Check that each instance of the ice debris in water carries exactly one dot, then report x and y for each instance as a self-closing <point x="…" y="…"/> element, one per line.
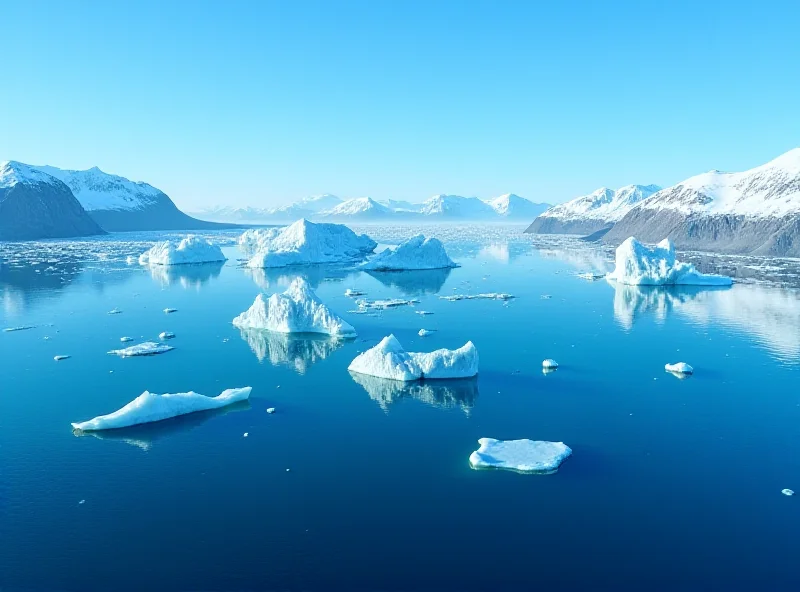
<point x="167" y="335"/>
<point x="14" y="329"/>
<point x="787" y="492"/>
<point x="126" y="339"/>
<point x="170" y="310"/>
<point x="591" y="275"/>
<point x="423" y="312"/>
<point x="417" y="252"/>
<point x="549" y="364"/>
<point x="524" y="456"/>
<point x="149" y="407"/>
<point x="384" y="304"/>
<point x="637" y="264"/>
<point x="679" y="368"/>
<point x="271" y="410"/>
<point x="59" y="358"/>
<point x="148" y="348"/>
<point x="305" y="243"/>
<point x="130" y="260"/>
<point x="353" y="293"/>
<point x="425" y="332"/>
<point x="487" y="296"/>
<point x="192" y="249"/>
<point x="388" y="359"/>
<point x="114" y="311"/>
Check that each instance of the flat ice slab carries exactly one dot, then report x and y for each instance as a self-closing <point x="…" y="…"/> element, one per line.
<point x="549" y="364"/>
<point x="486" y="296"/>
<point x="417" y="252"/>
<point x="388" y="359"/>
<point x="306" y="243"/>
<point x="679" y="368"/>
<point x="524" y="456"/>
<point x="148" y="348"/>
<point x="639" y="265"/>
<point x="15" y="329"/>
<point x="149" y="407"/>
<point x="167" y="335"/>
<point x="365" y="304"/>
<point x="425" y="332"/>
<point x="191" y="249"/>
<point x="297" y="310"/>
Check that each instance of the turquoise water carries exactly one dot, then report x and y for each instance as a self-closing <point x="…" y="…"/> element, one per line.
<point x="673" y="484"/>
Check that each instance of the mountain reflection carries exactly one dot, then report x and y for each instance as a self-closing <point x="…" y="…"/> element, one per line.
<point x="446" y="394"/>
<point x="297" y="352"/>
<point x="188" y="276"/>
<point x="413" y="283"/>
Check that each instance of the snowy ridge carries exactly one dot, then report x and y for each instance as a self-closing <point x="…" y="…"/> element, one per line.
<point x="456" y="206"/>
<point x="360" y="207"/>
<point x="511" y="205"/>
<point x="13" y="172"/>
<point x="606" y="205"/>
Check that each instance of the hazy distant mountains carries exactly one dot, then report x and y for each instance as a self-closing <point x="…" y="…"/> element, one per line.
<point x="365" y="209"/>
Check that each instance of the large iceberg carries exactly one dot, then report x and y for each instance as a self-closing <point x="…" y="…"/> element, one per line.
<point x="191" y="249"/>
<point x="149" y="407"/>
<point x="388" y="359"/>
<point x="297" y="310"/>
<point x="639" y="265"/>
<point x="255" y="239"/>
<point x="306" y="243"/>
<point x="524" y="456"/>
<point x="416" y="253"/>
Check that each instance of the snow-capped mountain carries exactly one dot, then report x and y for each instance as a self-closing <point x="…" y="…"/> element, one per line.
<point x="591" y="213"/>
<point x="512" y="206"/>
<point x="34" y="205"/>
<point x="308" y="207"/>
<point x="399" y="204"/>
<point x="456" y="207"/>
<point x="756" y="211"/>
<point x="357" y="209"/>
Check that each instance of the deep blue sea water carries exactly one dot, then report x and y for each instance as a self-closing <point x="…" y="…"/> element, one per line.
<point x="673" y="484"/>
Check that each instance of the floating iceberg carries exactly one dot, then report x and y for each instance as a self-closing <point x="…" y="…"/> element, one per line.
<point x="416" y="253"/>
<point x="549" y="364"/>
<point x="191" y="249"/>
<point x="384" y="304"/>
<point x="350" y="293"/>
<point x="306" y="243"/>
<point x="148" y="348"/>
<point x="524" y="456"/>
<point x="639" y="265"/>
<point x="59" y="358"/>
<point x="487" y="296"/>
<point x="170" y="310"/>
<point x="15" y="329"/>
<point x="256" y="239"/>
<point x="126" y="339"/>
<point x="149" y="407"/>
<point x="388" y="359"/>
<point x="425" y="332"/>
<point x="297" y="310"/>
<point x="679" y="368"/>
<point x="167" y="335"/>
<point x="788" y="492"/>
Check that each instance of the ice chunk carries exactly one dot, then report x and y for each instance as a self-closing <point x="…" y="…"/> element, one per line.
<point x="384" y="304"/>
<point x="388" y="359"/>
<point x="59" y="358"/>
<point x="353" y="293"/>
<point x="423" y="312"/>
<point x="191" y="249"/>
<point x="549" y="364"/>
<point x="591" y="275"/>
<point x="114" y="311"/>
<point x="425" y="332"/>
<point x="524" y="456"/>
<point x="167" y="335"/>
<point x="14" y="329"/>
<point x="149" y="407"/>
<point x="256" y="239"/>
<point x="416" y="253"/>
<point x="787" y="492"/>
<point x="679" y="368"/>
<point x="297" y="310"/>
<point x="126" y="339"/>
<point x="637" y="264"/>
<point x="305" y="243"/>
<point x="148" y="348"/>
<point x="271" y="410"/>
<point x="487" y="296"/>
<point x="170" y="310"/>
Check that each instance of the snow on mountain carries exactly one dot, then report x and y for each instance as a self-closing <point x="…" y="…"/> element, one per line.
<point x="512" y="206"/>
<point x="319" y="203"/>
<point x="457" y="207"/>
<point x="593" y="212"/>
<point x="13" y="172"/>
<point x="360" y="207"/>
<point x="399" y="204"/>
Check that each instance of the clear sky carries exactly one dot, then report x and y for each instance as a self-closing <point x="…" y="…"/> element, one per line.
<point x="261" y="103"/>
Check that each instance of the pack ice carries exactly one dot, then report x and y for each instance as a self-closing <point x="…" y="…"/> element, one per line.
<point x="149" y="407"/>
<point x="191" y="249"/>
<point x="307" y="243"/>
<point x="416" y="253"/>
<point x="524" y="456"/>
<point x="388" y="359"/>
<point x="148" y="348"/>
<point x="297" y="310"/>
<point x="639" y="265"/>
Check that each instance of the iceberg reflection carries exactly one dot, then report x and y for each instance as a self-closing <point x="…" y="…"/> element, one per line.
<point x="188" y="276"/>
<point x="296" y="351"/>
<point x="413" y="283"/>
<point x="446" y="394"/>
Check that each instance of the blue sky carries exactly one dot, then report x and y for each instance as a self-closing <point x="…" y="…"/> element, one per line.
<point x="261" y="103"/>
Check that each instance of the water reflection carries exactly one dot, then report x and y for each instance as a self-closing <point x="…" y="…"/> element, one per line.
<point x="770" y="314"/>
<point x="413" y="283"/>
<point x="445" y="394"/>
<point x="188" y="276"/>
<point x="144" y="436"/>
<point x="272" y="278"/>
<point x="298" y="352"/>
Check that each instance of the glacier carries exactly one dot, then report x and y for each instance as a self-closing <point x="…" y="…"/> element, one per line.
<point x="191" y="249"/>
<point x="523" y="456"/>
<point x="416" y="253"/>
<point x="150" y="407"/>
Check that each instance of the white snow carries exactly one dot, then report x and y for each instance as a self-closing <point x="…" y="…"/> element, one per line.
<point x="549" y="364"/>
<point x="192" y="249"/>
<point x="149" y="407"/>
<point x="425" y="332"/>
<point x="417" y="252"/>
<point x="13" y="172"/>
<point x="384" y="304"/>
<point x="788" y="492"/>
<point x="591" y="275"/>
<point x="167" y="335"/>
<point x="388" y="359"/>
<point x="297" y="310"/>
<point x="114" y="311"/>
<point x="126" y="339"/>
<point x="351" y="293"/>
<point x="256" y="239"/>
<point x="679" y="368"/>
<point x="59" y="358"/>
<point x="170" y="310"/>
<point x="423" y="312"/>
<point x="457" y="207"/>
<point x="603" y="204"/>
<point x="306" y="243"/>
<point x="148" y="348"/>
<point x="15" y="329"/>
<point x="524" y="456"/>
<point x="271" y="410"/>
<point x="359" y="207"/>
<point x="510" y="206"/>
<point x="637" y="264"/>
<point x="487" y="296"/>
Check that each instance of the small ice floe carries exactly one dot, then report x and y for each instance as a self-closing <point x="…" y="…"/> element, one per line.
<point x="80" y="503"/>
<point x="487" y="296"/>
<point x="384" y="304"/>
<point x="170" y="310"/>
<point x="115" y="311"/>
<point x="591" y="275"/>
<point x="549" y="364"/>
<point x="681" y="368"/>
<point x="191" y="249"/>
<point x="148" y="348"/>
<point x="297" y="310"/>
<point x="426" y="332"/>
<point x="415" y="253"/>
<point x="271" y="410"/>
<point x="523" y="456"/>
<point x="388" y="359"/>
<point x="20" y="328"/>
<point x="131" y="260"/>
<point x="167" y="335"/>
<point x="350" y="293"/>
<point x="545" y="297"/>
<point x="423" y="312"/>
<point x="787" y="492"/>
<point x="59" y="358"/>
<point x="245" y="434"/>
<point x="126" y="339"/>
<point x="150" y="407"/>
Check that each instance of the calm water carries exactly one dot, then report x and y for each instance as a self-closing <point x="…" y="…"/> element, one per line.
<point x="673" y="485"/>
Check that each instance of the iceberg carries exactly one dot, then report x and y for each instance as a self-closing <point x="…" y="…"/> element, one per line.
<point x="487" y="296"/>
<point x="523" y="456"/>
<point x="365" y="304"/>
<point x="638" y="265"/>
<point x="191" y="249"/>
<point x="388" y="359"/>
<point x="306" y="243"/>
<point x="788" y="492"/>
<point x="297" y="310"/>
<point x="425" y="332"/>
<point x="148" y="348"/>
<point x="256" y="239"/>
<point x="549" y="364"/>
<point x="59" y="358"/>
<point x="417" y="252"/>
<point x="126" y="339"/>
<point x="351" y="293"/>
<point x="149" y="407"/>
<point x="679" y="368"/>
<point x="167" y="335"/>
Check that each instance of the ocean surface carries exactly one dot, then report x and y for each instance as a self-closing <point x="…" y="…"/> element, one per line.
<point x="363" y="484"/>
